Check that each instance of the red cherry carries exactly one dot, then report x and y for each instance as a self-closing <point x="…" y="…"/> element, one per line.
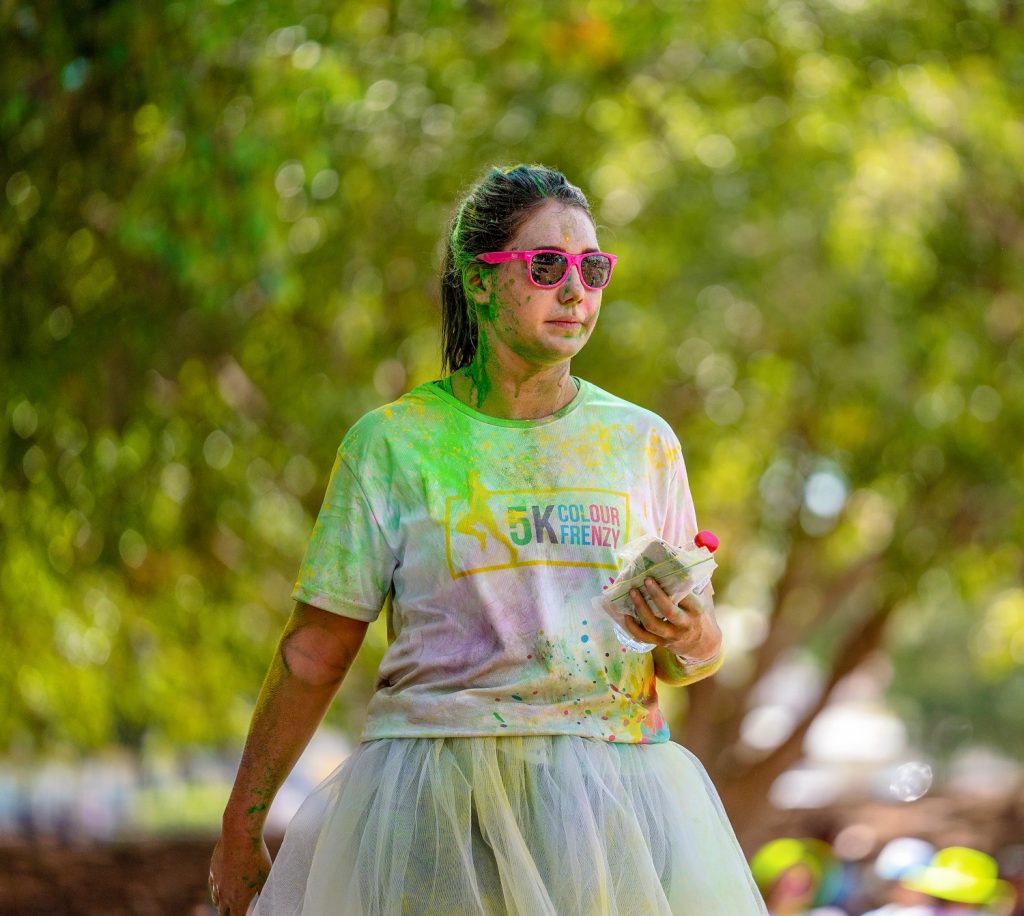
<point x="707" y="539"/>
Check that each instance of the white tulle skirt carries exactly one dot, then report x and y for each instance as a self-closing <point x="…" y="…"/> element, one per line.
<point x="534" y="826"/>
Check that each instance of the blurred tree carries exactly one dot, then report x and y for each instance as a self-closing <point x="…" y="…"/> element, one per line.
<point x="218" y="241"/>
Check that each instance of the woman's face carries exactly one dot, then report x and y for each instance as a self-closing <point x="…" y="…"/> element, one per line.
<point x="541" y="326"/>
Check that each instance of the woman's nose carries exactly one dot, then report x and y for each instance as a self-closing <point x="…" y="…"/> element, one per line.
<point x="572" y="288"/>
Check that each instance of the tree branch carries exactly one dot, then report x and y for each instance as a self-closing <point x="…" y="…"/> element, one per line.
<point x="746" y="791"/>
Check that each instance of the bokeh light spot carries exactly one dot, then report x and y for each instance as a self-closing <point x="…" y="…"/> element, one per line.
<point x="911" y="781"/>
<point x="218" y="449"/>
<point x="132" y="547"/>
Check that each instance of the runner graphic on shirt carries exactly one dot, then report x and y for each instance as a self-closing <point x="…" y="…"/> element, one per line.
<point x="479" y="520"/>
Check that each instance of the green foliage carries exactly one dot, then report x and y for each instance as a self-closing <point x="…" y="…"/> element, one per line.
<point x="218" y="247"/>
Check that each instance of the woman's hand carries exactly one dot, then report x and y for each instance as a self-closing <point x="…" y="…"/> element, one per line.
<point x="688" y="629"/>
<point x="238" y="871"/>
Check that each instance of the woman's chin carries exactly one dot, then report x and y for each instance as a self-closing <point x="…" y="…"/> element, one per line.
<point x="566" y="338"/>
<point x="551" y="347"/>
<point x="561" y="350"/>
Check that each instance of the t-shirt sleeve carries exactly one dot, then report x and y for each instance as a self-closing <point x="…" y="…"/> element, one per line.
<point x="348" y="565"/>
<point x="680" y="520"/>
<point x="680" y="524"/>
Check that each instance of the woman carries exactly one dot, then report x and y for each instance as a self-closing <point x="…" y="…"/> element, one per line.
<point x="514" y="758"/>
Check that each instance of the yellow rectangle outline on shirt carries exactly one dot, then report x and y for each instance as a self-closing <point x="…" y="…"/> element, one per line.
<point x="542" y="490"/>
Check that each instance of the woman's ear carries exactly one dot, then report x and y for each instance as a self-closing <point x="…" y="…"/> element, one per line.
<point x="478" y="281"/>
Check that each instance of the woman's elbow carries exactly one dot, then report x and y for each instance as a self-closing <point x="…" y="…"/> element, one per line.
<point x="320" y="655"/>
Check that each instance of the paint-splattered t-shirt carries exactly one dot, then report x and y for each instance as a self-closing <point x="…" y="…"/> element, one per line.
<point x="493" y="536"/>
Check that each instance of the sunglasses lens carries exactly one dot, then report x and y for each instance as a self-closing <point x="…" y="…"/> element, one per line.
<point x="547" y="268"/>
<point x="596" y="270"/>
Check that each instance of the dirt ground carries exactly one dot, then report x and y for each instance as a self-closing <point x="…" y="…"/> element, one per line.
<point x="139" y="878"/>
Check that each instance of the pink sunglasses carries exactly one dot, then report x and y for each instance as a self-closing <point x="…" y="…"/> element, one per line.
<point x="549" y="267"/>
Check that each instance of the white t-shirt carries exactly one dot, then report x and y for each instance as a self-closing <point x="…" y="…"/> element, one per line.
<point x="494" y="536"/>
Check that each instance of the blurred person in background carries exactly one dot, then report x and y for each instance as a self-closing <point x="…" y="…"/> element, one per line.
<point x="514" y="758"/>
<point x="800" y="876"/>
<point x="955" y="881"/>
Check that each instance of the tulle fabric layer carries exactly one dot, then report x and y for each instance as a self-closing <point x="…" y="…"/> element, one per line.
<point x="533" y="826"/>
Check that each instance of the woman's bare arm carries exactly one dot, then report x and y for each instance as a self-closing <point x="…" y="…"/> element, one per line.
<point x="673" y="670"/>
<point x="314" y="655"/>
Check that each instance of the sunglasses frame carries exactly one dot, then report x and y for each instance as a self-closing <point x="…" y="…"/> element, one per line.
<point x="572" y="260"/>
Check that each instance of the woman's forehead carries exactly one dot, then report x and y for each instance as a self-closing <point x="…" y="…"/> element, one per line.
<point x="557" y="224"/>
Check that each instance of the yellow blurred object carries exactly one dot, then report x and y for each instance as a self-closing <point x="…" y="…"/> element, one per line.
<point x="958" y="874"/>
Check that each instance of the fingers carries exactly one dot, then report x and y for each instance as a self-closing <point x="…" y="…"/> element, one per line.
<point x="662" y="627"/>
<point x="639" y="633"/>
<point x="226" y="908"/>
<point x="222" y="906"/>
<point x="697" y="603"/>
<point x="679" y="628"/>
<point x="666" y="608"/>
<point x="660" y="618"/>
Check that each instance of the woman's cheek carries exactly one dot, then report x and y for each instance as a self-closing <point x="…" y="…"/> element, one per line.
<point x="510" y="317"/>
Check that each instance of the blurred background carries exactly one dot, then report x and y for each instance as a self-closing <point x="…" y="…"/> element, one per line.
<point x="220" y="228"/>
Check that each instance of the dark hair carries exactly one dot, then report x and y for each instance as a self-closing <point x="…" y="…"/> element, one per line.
<point x="487" y="219"/>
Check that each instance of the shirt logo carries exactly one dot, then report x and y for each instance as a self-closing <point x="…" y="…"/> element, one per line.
<point x="488" y="530"/>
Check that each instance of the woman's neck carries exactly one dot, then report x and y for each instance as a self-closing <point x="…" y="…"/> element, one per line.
<point x="514" y="393"/>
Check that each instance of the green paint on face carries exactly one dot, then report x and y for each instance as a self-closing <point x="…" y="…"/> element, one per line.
<point x="477" y="371"/>
<point x="486" y="311"/>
